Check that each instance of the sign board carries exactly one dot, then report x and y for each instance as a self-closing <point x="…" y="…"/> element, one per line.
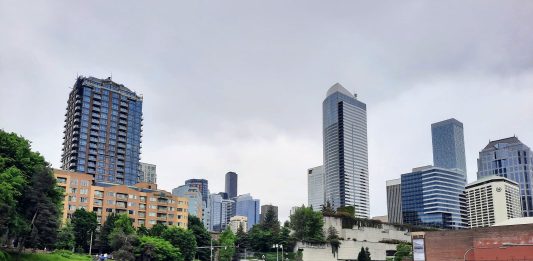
<point x="418" y="250"/>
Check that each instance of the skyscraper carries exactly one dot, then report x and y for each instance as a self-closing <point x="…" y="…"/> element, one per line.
<point x="231" y="184"/>
<point x="220" y="212"/>
<point x="434" y="197"/>
<point x="248" y="207"/>
<point x="202" y="185"/>
<point x="491" y="200"/>
<point x="315" y="187"/>
<point x="147" y="173"/>
<point x="345" y="151"/>
<point x="394" y="201"/>
<point x="103" y="131"/>
<point x="512" y="159"/>
<point x="196" y="205"/>
<point x="448" y="145"/>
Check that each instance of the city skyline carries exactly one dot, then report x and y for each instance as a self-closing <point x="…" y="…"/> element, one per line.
<point x="200" y="82"/>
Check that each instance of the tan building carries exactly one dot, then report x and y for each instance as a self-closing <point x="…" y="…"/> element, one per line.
<point x="491" y="200"/>
<point x="236" y="222"/>
<point x="143" y="202"/>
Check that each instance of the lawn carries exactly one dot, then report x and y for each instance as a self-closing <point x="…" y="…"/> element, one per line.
<point x="55" y="256"/>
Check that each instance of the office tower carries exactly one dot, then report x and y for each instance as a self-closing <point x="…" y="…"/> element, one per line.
<point x="434" y="197"/>
<point x="248" y="207"/>
<point x="220" y="212"/>
<point x="315" y="187"/>
<point x="147" y="173"/>
<point x="491" y="200"/>
<point x="224" y="195"/>
<point x="394" y="201"/>
<point x="196" y="204"/>
<point x="231" y="184"/>
<point x="448" y="145"/>
<point x="103" y="131"/>
<point x="202" y="186"/>
<point x="345" y="151"/>
<point x="510" y="158"/>
<point x="236" y="222"/>
<point x="265" y="209"/>
<point x="143" y="203"/>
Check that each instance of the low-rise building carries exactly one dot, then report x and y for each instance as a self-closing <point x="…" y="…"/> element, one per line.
<point x="236" y="222"/>
<point x="143" y="202"/>
<point x="381" y="240"/>
<point x="491" y="200"/>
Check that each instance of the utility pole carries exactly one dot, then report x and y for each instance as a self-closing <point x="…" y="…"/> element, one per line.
<point x="91" y="244"/>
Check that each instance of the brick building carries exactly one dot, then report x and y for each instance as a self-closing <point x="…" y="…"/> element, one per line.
<point x="143" y="202"/>
<point x="513" y="242"/>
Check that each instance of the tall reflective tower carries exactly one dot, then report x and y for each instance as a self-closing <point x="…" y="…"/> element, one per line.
<point x="345" y="150"/>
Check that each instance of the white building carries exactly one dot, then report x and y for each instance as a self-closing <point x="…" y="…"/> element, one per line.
<point x="315" y="187"/>
<point x="491" y="200"/>
<point x="380" y="240"/>
<point x="236" y="222"/>
<point x="147" y="173"/>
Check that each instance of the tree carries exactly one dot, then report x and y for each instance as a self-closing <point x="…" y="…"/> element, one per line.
<point x="84" y="224"/>
<point x="285" y="237"/>
<point x="123" y="245"/>
<point x="368" y="254"/>
<point x="182" y="239"/>
<point x="307" y="225"/>
<point x="65" y="237"/>
<point x="241" y="239"/>
<point x="143" y="231"/>
<point x="105" y="231"/>
<point x="227" y="239"/>
<point x="333" y="239"/>
<point x="403" y="250"/>
<point x="260" y="239"/>
<point x="362" y="256"/>
<point x="157" y="230"/>
<point x="271" y="222"/>
<point x="327" y="209"/>
<point x="123" y="223"/>
<point x="30" y="204"/>
<point x="203" y="238"/>
<point x="346" y="211"/>
<point x="157" y="249"/>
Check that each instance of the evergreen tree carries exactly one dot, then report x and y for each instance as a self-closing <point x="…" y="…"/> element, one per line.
<point x="105" y="231"/>
<point x="84" y="225"/>
<point x="362" y="256"/>
<point x="307" y="225"/>
<point x="203" y="238"/>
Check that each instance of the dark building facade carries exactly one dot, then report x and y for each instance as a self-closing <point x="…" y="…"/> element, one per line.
<point x="231" y="184"/>
<point x="448" y="145"/>
<point x="103" y="128"/>
<point x="202" y="186"/>
<point x="265" y="209"/>
<point x="394" y="201"/>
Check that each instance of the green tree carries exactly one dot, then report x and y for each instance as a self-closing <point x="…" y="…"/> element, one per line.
<point x="327" y="210"/>
<point x="333" y="239"/>
<point x="143" y="231"/>
<point x="182" y="239"/>
<point x="271" y="221"/>
<point x="123" y="223"/>
<point x="157" y="249"/>
<point x="403" y="250"/>
<point x="65" y="237"/>
<point x="30" y="208"/>
<point x="203" y="238"/>
<point x="157" y="230"/>
<point x="105" y="231"/>
<point x="241" y="239"/>
<point x="368" y="254"/>
<point x="362" y="256"/>
<point x="227" y="239"/>
<point x="307" y="225"/>
<point x="260" y="239"/>
<point x="285" y="237"/>
<point x="123" y="245"/>
<point x="84" y="224"/>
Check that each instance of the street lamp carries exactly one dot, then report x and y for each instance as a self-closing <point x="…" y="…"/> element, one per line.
<point x="278" y="246"/>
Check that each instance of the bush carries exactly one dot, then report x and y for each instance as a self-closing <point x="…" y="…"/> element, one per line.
<point x="157" y="249"/>
<point x="4" y="256"/>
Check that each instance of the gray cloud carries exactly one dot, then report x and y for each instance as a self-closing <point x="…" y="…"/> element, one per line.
<point x="239" y="85"/>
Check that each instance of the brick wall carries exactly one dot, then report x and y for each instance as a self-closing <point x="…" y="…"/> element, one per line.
<point x="487" y="244"/>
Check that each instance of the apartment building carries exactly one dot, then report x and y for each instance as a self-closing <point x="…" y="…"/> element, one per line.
<point x="143" y="202"/>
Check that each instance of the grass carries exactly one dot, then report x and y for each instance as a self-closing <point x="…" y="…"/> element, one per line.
<point x="54" y="256"/>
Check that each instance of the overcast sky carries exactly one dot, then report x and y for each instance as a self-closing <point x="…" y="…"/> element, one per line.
<point x="238" y="85"/>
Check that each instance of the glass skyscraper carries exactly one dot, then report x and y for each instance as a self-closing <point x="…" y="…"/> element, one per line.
<point x="448" y="145"/>
<point x="202" y="185"/>
<point x="510" y="158"/>
<point x="231" y="184"/>
<point x="248" y="207"/>
<point x="434" y="197"/>
<point x="103" y="131"/>
<point x="345" y="151"/>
